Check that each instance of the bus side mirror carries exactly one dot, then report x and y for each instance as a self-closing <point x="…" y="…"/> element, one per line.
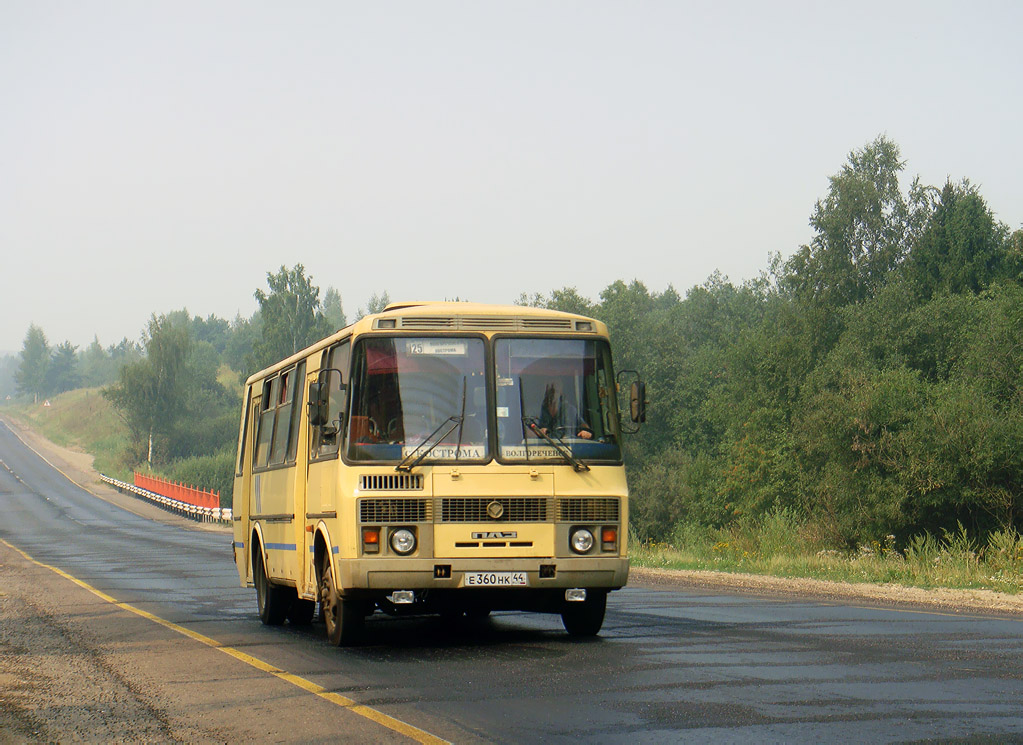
<point x="637" y="399"/>
<point x="637" y="402"/>
<point x="319" y="398"/>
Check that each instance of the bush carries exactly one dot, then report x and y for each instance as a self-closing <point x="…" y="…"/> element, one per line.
<point x="210" y="472"/>
<point x="670" y="488"/>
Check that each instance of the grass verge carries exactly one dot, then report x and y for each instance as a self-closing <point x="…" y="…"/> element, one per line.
<point x="80" y="420"/>
<point x="780" y="545"/>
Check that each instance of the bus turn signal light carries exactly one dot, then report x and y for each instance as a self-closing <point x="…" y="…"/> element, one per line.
<point x="371" y="540"/>
<point x="609" y="539"/>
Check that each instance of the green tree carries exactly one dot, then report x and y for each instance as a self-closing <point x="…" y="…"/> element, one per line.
<point x="245" y="333"/>
<point x="567" y="299"/>
<point x="209" y="418"/>
<point x="333" y="309"/>
<point x="35" y="359"/>
<point x="94" y="363"/>
<point x="62" y="371"/>
<point x="962" y="248"/>
<point x="376" y="304"/>
<point x="150" y="393"/>
<point x="8" y="368"/>
<point x="863" y="229"/>
<point x="291" y="313"/>
<point x="216" y="331"/>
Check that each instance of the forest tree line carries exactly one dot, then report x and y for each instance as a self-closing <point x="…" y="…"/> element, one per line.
<point x="869" y="384"/>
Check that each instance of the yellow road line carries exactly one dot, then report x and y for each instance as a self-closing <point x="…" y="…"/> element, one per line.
<point x="380" y="718"/>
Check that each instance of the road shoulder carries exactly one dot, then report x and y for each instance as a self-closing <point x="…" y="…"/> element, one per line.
<point x="933" y="599"/>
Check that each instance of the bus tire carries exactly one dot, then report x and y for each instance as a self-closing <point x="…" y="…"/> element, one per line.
<point x="343" y="618"/>
<point x="585" y="618"/>
<point x="272" y="601"/>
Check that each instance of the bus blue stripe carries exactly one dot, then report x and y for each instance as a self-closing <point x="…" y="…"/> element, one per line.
<point x="280" y="546"/>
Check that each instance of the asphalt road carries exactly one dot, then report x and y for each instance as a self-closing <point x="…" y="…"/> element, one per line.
<point x="672" y="664"/>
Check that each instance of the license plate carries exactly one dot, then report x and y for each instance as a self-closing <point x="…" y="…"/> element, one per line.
<point x="495" y="579"/>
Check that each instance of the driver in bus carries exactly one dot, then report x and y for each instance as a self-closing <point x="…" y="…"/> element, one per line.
<point x="556" y="414"/>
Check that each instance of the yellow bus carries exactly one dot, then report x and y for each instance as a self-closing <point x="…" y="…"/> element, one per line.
<point x="448" y="458"/>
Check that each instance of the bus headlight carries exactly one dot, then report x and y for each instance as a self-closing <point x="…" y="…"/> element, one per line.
<point x="581" y="541"/>
<point x="403" y="541"/>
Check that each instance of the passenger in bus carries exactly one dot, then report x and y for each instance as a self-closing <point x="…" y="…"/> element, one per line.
<point x="557" y="416"/>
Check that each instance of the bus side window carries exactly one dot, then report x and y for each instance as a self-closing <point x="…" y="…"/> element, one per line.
<point x="295" y="423"/>
<point x="326" y="439"/>
<point x="264" y="435"/>
<point x="243" y="432"/>
<point x="285" y="399"/>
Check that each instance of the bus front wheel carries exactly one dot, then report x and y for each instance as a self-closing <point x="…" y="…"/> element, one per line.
<point x="271" y="600"/>
<point x="585" y="618"/>
<point x="343" y="618"/>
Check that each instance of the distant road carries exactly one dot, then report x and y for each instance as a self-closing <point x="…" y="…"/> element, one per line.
<point x="671" y="664"/>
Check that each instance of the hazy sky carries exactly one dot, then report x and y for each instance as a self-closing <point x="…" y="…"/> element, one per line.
<point x="160" y="155"/>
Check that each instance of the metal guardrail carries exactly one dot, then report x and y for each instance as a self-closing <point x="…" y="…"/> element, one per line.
<point x="194" y="512"/>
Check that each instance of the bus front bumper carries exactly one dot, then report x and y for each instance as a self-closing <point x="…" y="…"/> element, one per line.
<point x="386" y="573"/>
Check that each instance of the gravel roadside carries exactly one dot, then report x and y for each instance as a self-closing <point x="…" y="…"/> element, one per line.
<point x="936" y="599"/>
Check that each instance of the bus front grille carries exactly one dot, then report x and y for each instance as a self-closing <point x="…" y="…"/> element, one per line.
<point x="395" y="511"/>
<point x="513" y="509"/>
<point x="391" y="482"/>
<point x="588" y="510"/>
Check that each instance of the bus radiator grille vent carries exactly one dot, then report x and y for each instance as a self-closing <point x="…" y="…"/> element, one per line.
<point x="395" y="511"/>
<point x="477" y="323"/>
<point x="391" y="482"/>
<point x="474" y="509"/>
<point x="589" y="510"/>
<point x="494" y="322"/>
<point x="548" y="324"/>
<point x="428" y="322"/>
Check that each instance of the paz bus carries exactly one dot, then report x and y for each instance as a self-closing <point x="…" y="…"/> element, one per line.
<point x="448" y="458"/>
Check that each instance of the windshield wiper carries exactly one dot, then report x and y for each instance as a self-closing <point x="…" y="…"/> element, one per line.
<point x="455" y="421"/>
<point x="461" y="422"/>
<point x="558" y="444"/>
<point x="525" y="420"/>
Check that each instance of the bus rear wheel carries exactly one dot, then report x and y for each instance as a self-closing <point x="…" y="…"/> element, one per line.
<point x="343" y="618"/>
<point x="272" y="601"/>
<point x="585" y="618"/>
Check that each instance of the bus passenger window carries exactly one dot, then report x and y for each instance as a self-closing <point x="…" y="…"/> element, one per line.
<point x="285" y="395"/>
<point x="265" y="433"/>
<point x="295" y="424"/>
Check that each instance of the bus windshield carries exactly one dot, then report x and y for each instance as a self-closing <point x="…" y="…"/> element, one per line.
<point x="416" y="395"/>
<point x="555" y="395"/>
